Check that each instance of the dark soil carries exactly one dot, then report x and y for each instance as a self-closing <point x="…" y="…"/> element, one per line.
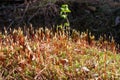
<point x="99" y="19"/>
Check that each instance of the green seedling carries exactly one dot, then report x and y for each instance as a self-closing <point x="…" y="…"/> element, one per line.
<point x="64" y="14"/>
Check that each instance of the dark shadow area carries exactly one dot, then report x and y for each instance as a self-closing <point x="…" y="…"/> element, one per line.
<point x="99" y="19"/>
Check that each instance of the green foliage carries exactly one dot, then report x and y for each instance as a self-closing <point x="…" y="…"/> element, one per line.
<point x="64" y="11"/>
<point x="64" y="14"/>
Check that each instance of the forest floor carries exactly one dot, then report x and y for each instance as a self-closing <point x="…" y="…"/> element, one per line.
<point x="56" y="56"/>
<point x="30" y="49"/>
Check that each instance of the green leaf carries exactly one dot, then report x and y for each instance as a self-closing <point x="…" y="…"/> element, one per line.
<point x="64" y="16"/>
<point x="65" y="8"/>
<point x="60" y="26"/>
<point x="62" y="9"/>
<point x="64" y="5"/>
<point x="66" y="24"/>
